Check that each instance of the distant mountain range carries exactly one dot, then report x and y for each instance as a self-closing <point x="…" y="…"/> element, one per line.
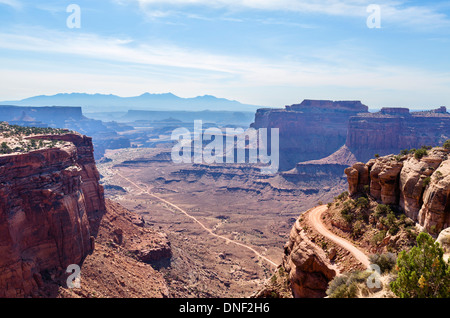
<point x="147" y="101"/>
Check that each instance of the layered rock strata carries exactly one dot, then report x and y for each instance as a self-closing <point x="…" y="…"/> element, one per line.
<point x="307" y="265"/>
<point x="420" y="187"/>
<point x="393" y="129"/>
<point x="310" y="130"/>
<point x="49" y="198"/>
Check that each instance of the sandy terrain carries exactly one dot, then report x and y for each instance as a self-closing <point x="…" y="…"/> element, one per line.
<point x="227" y="226"/>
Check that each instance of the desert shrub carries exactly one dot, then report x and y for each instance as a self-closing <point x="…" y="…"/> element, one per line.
<point x="366" y="189"/>
<point x="377" y="238"/>
<point x="342" y="196"/>
<point x="358" y="229"/>
<point x="419" y="153"/>
<point x="404" y="152"/>
<point x="394" y="229"/>
<point x="382" y="209"/>
<point x="438" y="175"/>
<point x="391" y="220"/>
<point x="446" y="144"/>
<point x="426" y="181"/>
<point x="4" y="148"/>
<point x="422" y="271"/>
<point x="385" y="261"/>
<point x="362" y="202"/>
<point x="347" y="215"/>
<point x="346" y="286"/>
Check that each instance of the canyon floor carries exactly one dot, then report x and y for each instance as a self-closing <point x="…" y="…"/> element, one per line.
<point x="227" y="224"/>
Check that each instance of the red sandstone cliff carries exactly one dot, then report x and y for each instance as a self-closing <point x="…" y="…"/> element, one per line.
<point x="328" y="136"/>
<point x="48" y="197"/>
<point x="394" y="129"/>
<point x="420" y="187"/>
<point x="311" y="130"/>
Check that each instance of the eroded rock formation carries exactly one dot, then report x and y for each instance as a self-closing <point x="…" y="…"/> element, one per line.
<point x="48" y="198"/>
<point x="327" y="135"/>
<point x="393" y="129"/>
<point x="420" y="187"/>
<point x="311" y="130"/>
<point x="307" y="265"/>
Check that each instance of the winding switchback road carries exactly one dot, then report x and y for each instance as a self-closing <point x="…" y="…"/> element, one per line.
<point x="315" y="218"/>
<point x="176" y="207"/>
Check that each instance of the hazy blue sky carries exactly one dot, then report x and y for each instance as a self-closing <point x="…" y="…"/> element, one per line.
<point x="264" y="52"/>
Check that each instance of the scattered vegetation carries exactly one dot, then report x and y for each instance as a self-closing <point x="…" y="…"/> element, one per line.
<point x="422" y="271"/>
<point x="446" y="144"/>
<point x="386" y="261"/>
<point x="370" y="223"/>
<point x="426" y="181"/>
<point x="438" y="175"/>
<point x="342" y="196"/>
<point x="347" y="285"/>
<point x="5" y="149"/>
<point x="419" y="153"/>
<point x="15" y="130"/>
<point x="17" y="141"/>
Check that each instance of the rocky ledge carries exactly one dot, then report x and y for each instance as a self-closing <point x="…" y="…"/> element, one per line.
<point x="418" y="183"/>
<point x="48" y="200"/>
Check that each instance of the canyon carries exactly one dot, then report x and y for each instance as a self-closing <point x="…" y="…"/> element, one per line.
<point x="328" y="136"/>
<point x="53" y="214"/>
<point x="419" y="186"/>
<point x="207" y="230"/>
<point x="50" y="199"/>
<point x="313" y="129"/>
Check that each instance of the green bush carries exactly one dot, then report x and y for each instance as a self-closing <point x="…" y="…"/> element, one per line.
<point x="404" y="152"/>
<point x="382" y="209"/>
<point x="385" y="261"/>
<point x="358" y="229"/>
<point x="346" y="286"/>
<point x="446" y="144"/>
<point x="419" y="153"/>
<point x="4" y="148"/>
<point x="362" y="202"/>
<point x="438" y="175"/>
<point x="366" y="189"/>
<point x="422" y="271"/>
<point x="342" y="196"/>
<point x="377" y="238"/>
<point x="426" y="181"/>
<point x="347" y="215"/>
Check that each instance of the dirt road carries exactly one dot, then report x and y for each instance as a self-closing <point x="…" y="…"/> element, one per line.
<point x="315" y="218"/>
<point x="197" y="221"/>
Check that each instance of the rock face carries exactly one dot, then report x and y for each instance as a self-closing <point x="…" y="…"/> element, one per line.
<point x="307" y="265"/>
<point x="420" y="187"/>
<point x="394" y="129"/>
<point x="444" y="240"/>
<point x="319" y="133"/>
<point x="49" y="199"/>
<point x="311" y="130"/>
<point x="127" y="231"/>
